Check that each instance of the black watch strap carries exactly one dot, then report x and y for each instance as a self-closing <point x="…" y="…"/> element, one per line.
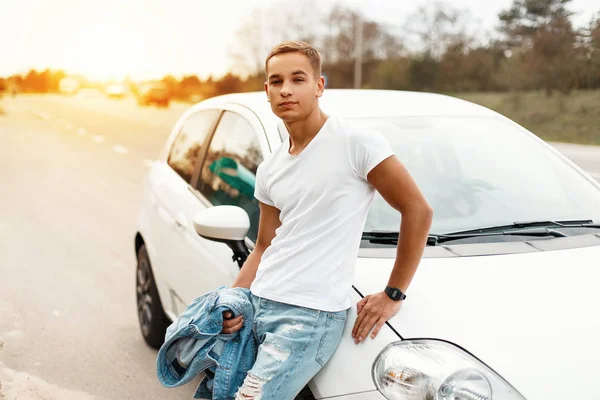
<point x="394" y="293"/>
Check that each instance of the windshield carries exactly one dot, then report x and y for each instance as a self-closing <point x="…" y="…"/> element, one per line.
<point x="481" y="171"/>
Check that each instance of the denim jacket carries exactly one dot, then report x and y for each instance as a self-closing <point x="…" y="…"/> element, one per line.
<point x="194" y="344"/>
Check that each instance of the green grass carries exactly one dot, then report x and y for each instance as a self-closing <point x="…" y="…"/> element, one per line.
<point x="573" y="118"/>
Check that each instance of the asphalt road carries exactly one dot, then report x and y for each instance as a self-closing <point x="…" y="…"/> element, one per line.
<point x="586" y="157"/>
<point x="71" y="178"/>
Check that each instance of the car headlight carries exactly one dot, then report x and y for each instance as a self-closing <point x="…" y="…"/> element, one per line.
<point x="427" y="369"/>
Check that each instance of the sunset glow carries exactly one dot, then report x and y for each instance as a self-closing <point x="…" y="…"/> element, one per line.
<point x="105" y="52"/>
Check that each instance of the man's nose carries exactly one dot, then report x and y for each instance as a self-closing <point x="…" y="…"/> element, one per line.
<point x="286" y="89"/>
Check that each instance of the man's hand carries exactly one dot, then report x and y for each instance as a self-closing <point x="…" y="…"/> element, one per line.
<point x="231" y="325"/>
<point x="373" y="311"/>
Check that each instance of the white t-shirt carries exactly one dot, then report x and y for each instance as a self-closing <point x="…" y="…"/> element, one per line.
<point x="324" y="198"/>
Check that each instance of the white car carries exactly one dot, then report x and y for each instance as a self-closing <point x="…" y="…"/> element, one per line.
<point x="504" y="304"/>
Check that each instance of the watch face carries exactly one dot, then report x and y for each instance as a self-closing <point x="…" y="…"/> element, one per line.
<point x="394" y="293"/>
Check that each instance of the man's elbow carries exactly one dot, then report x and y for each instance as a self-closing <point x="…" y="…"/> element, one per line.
<point x="421" y="211"/>
<point x="428" y="214"/>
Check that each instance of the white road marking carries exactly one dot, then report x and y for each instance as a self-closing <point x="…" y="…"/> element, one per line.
<point x="120" y="149"/>
<point x="81" y="131"/>
<point x="148" y="163"/>
<point x="98" y="139"/>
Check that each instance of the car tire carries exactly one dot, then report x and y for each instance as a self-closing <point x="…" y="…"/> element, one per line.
<point x="305" y="394"/>
<point x="151" y="316"/>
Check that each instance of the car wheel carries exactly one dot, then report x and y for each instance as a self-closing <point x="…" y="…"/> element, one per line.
<point x="151" y="316"/>
<point x="305" y="394"/>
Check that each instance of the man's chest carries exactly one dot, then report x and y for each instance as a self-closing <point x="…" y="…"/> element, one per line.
<point x="323" y="177"/>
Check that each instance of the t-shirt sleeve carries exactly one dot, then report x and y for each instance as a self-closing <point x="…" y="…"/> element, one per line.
<point x="367" y="147"/>
<point x="261" y="192"/>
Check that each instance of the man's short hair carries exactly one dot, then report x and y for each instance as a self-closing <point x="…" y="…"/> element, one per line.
<point x="298" y="47"/>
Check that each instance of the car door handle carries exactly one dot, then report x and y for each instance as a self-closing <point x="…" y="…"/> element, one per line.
<point x="180" y="220"/>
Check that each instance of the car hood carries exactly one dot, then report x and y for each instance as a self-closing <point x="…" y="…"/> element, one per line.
<point x="533" y="317"/>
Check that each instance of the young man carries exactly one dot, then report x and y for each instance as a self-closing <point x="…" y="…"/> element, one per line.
<point x="314" y="194"/>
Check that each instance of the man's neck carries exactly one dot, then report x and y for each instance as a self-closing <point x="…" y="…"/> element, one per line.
<point x="302" y="132"/>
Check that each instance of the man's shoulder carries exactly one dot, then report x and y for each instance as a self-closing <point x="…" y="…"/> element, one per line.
<point x="269" y="160"/>
<point x="354" y="129"/>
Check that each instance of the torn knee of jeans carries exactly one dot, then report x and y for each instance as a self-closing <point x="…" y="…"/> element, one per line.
<point x="251" y="389"/>
<point x="275" y="352"/>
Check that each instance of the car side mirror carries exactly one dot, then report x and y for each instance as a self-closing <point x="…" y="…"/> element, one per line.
<point x="225" y="224"/>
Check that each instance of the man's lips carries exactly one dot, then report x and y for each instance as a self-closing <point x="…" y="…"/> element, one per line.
<point x="287" y="103"/>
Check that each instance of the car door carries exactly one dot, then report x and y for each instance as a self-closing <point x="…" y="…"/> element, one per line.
<point x="175" y="204"/>
<point x="226" y="177"/>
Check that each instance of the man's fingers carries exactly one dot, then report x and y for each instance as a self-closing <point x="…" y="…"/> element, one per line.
<point x="377" y="327"/>
<point x="359" y="307"/>
<point x="234" y="328"/>
<point x="227" y="314"/>
<point x="228" y="323"/>
<point x="361" y="304"/>
<point x="232" y="321"/>
<point x="366" y="326"/>
<point x="232" y="325"/>
<point x="359" y="319"/>
<point x="363" y="301"/>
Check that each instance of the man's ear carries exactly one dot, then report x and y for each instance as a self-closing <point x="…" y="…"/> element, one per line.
<point x="267" y="91"/>
<point x="320" y="86"/>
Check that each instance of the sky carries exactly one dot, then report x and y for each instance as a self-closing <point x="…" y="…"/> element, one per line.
<point x="151" y="38"/>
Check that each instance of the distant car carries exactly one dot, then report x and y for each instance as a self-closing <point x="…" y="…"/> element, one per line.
<point x="69" y="85"/>
<point x="116" y="91"/>
<point x="504" y="304"/>
<point x="156" y="93"/>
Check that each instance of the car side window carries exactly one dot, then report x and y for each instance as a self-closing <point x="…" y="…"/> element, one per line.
<point x="189" y="141"/>
<point x="228" y="173"/>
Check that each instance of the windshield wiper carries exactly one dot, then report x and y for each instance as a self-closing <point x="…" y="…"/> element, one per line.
<point x="521" y="228"/>
<point x="381" y="237"/>
<point x="433" y="239"/>
<point x="587" y="223"/>
<point x="391" y="237"/>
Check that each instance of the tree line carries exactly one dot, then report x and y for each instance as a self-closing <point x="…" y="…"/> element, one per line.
<point x="534" y="47"/>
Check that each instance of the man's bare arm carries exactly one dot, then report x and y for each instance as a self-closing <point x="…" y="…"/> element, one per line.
<point x="267" y="225"/>
<point x="396" y="186"/>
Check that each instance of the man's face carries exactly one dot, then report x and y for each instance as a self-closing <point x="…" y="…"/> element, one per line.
<point x="292" y="87"/>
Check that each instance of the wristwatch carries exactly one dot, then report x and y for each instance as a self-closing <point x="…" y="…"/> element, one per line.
<point x="394" y="293"/>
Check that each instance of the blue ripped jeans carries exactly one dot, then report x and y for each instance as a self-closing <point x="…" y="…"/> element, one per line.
<point x="294" y="344"/>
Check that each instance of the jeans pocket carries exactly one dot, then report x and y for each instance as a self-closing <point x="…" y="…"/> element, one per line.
<point x="334" y="327"/>
<point x="339" y="315"/>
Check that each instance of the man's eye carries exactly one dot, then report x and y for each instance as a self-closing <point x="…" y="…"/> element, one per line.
<point x="275" y="82"/>
<point x="298" y="80"/>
